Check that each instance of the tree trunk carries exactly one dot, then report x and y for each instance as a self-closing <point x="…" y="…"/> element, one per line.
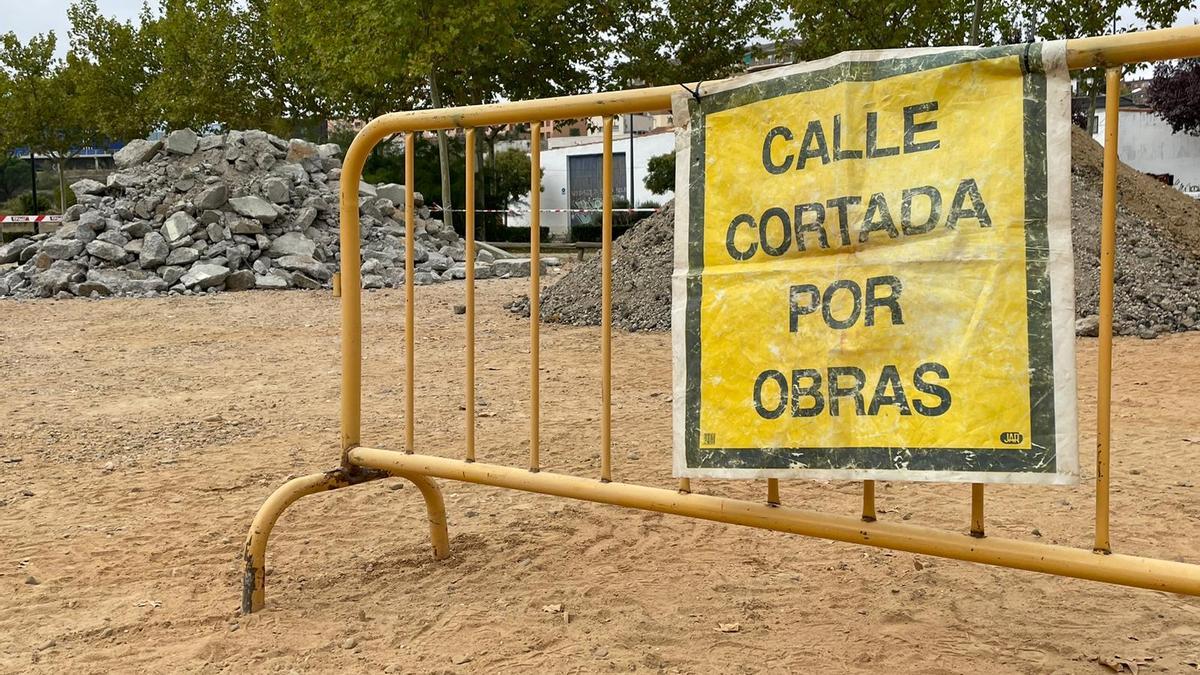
<point x="1091" y="110"/>
<point x="975" y="23"/>
<point x="435" y="96"/>
<point x="33" y="178"/>
<point x="491" y="143"/>
<point x="62" y="185"/>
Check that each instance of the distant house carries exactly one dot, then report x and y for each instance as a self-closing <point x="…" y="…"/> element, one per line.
<point x="1146" y="142"/>
<point x="572" y="177"/>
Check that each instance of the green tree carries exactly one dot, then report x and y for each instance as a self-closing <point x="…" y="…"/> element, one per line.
<point x="340" y="61"/>
<point x="14" y="175"/>
<point x="114" y="60"/>
<point x="212" y="66"/>
<point x="827" y="27"/>
<point x="509" y="177"/>
<point x="1060" y="20"/>
<point x="376" y="56"/>
<point x="482" y="52"/>
<point x="42" y="107"/>
<point x="676" y="41"/>
<point x="660" y="177"/>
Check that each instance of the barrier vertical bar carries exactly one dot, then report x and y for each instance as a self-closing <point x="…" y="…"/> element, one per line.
<point x="868" y="510"/>
<point x="977" y="510"/>
<point x="773" y="491"/>
<point x="351" y="261"/>
<point x="685" y="486"/>
<point x="606" y="309"/>
<point x="410" y="141"/>
<point x="469" y="231"/>
<point x="535" y="294"/>
<point x="1108" y="253"/>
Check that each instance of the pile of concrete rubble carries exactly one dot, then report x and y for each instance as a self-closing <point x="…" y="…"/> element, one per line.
<point x="235" y="211"/>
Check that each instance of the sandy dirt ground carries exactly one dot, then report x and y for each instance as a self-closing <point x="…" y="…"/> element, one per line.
<point x="139" y="437"/>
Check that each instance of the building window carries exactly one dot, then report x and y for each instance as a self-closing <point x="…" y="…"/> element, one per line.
<point x="585" y="178"/>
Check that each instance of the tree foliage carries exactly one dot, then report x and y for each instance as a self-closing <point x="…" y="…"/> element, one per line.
<point x="369" y="57"/>
<point x="1059" y="19"/>
<point x="291" y="65"/>
<point x="677" y="41"/>
<point x="660" y="175"/>
<point x="827" y="27"/>
<point x="113" y="60"/>
<point x="1174" y="94"/>
<point x="508" y="177"/>
<point x="41" y="106"/>
<point x="14" y="176"/>
<point x="203" y="73"/>
<point x="37" y="108"/>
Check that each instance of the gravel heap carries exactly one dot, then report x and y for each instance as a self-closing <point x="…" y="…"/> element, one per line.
<point x="1157" y="270"/>
<point x="641" y="281"/>
<point x="234" y="211"/>
<point x="1157" y="287"/>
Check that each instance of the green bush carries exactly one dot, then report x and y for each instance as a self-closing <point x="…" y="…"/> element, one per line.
<point x="25" y="204"/>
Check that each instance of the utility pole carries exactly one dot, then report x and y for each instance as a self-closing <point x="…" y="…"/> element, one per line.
<point x="631" y="202"/>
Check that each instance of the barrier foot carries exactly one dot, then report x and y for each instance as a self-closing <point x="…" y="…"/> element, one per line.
<point x="255" y="551"/>
<point x="435" y="506"/>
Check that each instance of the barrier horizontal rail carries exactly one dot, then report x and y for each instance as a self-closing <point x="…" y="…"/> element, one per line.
<point x="1035" y="557"/>
<point x="360" y="464"/>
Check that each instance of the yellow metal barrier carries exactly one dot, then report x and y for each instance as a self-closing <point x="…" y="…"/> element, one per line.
<point x="361" y="464"/>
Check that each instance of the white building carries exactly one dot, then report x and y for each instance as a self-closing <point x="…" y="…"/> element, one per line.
<point x="1145" y="142"/>
<point x="640" y="123"/>
<point x="572" y="178"/>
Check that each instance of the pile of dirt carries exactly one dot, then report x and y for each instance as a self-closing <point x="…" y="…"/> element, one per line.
<point x="1140" y="196"/>
<point x="1157" y="287"/>
<point x="641" y="281"/>
<point x="1157" y="269"/>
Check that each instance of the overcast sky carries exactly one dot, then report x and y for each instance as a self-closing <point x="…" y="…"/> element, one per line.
<point x="29" y="17"/>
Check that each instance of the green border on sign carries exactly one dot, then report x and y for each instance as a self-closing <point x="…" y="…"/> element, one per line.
<point x="1041" y="457"/>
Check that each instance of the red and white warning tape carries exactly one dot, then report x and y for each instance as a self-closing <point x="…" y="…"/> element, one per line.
<point x="515" y="212"/>
<point x="30" y="219"/>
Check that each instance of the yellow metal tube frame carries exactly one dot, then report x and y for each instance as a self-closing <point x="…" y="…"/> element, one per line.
<point x="868" y="510"/>
<point x="255" y="556"/>
<point x="469" y="229"/>
<point x="977" y="530"/>
<point x="535" y="295"/>
<point x="606" y="307"/>
<point x="360" y="464"/>
<point x="1161" y="575"/>
<point x="410" y="208"/>
<point x="1108" y="258"/>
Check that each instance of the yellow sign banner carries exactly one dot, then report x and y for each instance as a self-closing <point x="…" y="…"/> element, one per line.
<point x="873" y="274"/>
